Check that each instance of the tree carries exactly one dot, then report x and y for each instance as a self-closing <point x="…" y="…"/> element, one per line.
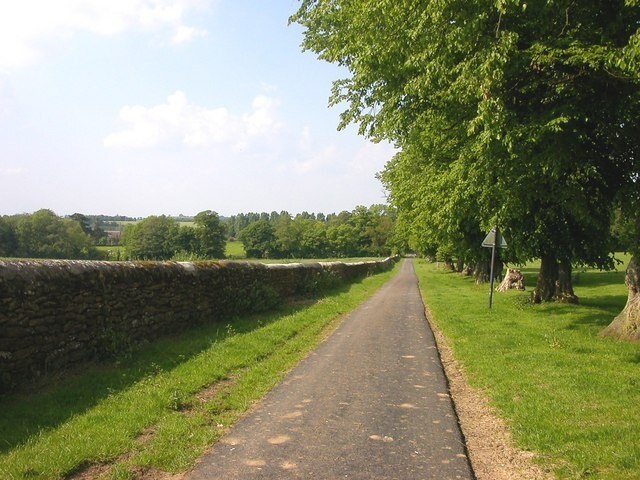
<point x="627" y="324"/>
<point x="43" y="234"/>
<point x="83" y="221"/>
<point x="8" y="240"/>
<point x="519" y="114"/>
<point x="89" y="226"/>
<point x="311" y="237"/>
<point x="363" y="232"/>
<point x="286" y="237"/>
<point x="154" y="238"/>
<point x="343" y="240"/>
<point x="187" y="240"/>
<point x="258" y="239"/>
<point x="211" y="234"/>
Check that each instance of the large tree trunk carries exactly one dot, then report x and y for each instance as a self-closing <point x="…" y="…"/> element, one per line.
<point x="449" y="265"/>
<point x="564" y="285"/>
<point x="459" y="265"/>
<point x="497" y="270"/>
<point x="547" y="276"/>
<point x="627" y="324"/>
<point x="468" y="270"/>
<point x="554" y="281"/>
<point x="481" y="272"/>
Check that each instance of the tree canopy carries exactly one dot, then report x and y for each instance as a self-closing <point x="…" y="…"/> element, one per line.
<point x="520" y="114"/>
<point x="210" y="235"/>
<point x="43" y="234"/>
<point x="162" y="237"/>
<point x="364" y="232"/>
<point x="154" y="238"/>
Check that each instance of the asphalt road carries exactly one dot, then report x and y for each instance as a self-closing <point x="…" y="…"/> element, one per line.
<point x="371" y="402"/>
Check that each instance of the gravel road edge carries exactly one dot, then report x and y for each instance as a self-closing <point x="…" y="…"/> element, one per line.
<point x="489" y="442"/>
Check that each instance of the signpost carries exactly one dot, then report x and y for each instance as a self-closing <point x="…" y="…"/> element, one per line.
<point x="493" y="240"/>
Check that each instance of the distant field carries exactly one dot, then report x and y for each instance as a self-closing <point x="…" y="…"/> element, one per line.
<point x="311" y="260"/>
<point x="124" y="223"/>
<point x="110" y="248"/>
<point x="235" y="249"/>
<point x="111" y="252"/>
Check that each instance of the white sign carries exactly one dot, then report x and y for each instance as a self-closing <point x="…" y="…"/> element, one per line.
<point x="490" y="240"/>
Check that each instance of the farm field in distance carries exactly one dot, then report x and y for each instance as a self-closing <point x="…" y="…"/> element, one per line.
<point x="235" y="251"/>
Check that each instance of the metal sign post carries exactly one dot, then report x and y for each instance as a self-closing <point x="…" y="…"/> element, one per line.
<point x="494" y="241"/>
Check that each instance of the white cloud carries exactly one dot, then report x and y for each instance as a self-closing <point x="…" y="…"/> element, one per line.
<point x="262" y="119"/>
<point x="12" y="171"/>
<point x="371" y="158"/>
<point x="26" y="26"/>
<point x="194" y="126"/>
<point x="7" y="95"/>
<point x="186" y="34"/>
<point x="313" y="162"/>
<point x="313" y="155"/>
<point x="305" y="139"/>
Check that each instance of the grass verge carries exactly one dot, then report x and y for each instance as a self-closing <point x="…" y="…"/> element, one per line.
<point x="158" y="408"/>
<point x="567" y="394"/>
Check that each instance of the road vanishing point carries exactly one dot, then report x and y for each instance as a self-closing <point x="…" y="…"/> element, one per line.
<point x="371" y="402"/>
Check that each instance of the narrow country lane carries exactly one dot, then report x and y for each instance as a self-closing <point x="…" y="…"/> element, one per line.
<point x="370" y="403"/>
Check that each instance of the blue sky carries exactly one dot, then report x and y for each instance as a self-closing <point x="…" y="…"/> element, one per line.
<point x="143" y="107"/>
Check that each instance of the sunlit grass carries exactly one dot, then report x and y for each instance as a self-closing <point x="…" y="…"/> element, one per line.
<point x="312" y="260"/>
<point x="161" y="406"/>
<point x="234" y="249"/>
<point x="567" y="394"/>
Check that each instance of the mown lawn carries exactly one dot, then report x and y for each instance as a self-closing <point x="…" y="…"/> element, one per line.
<point x="158" y="408"/>
<point x="567" y="394"/>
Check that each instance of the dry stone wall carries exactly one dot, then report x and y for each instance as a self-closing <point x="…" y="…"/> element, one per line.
<point x="57" y="314"/>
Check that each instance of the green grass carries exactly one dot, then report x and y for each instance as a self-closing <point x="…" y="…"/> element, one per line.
<point x="111" y="252"/>
<point x="159" y="408"/>
<point x="567" y="394"/>
<point x="234" y="249"/>
<point x="311" y="260"/>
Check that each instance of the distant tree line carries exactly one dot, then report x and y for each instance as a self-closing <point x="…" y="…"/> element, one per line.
<point x="104" y="223"/>
<point x="363" y="232"/>
<point x="514" y="114"/>
<point x="43" y="234"/>
<point x="162" y="238"/>
<point x="524" y="115"/>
